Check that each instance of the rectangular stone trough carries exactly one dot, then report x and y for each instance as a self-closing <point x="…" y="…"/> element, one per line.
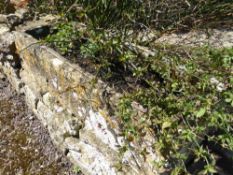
<point x="73" y="105"/>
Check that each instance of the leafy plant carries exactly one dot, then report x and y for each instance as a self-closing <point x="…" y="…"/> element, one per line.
<point x="77" y="170"/>
<point x="183" y="95"/>
<point x="188" y="112"/>
<point x="65" y="39"/>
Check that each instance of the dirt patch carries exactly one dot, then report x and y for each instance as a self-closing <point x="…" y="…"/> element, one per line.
<point x="25" y="146"/>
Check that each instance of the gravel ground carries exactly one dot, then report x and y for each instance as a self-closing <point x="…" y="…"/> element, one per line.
<point x="25" y="146"/>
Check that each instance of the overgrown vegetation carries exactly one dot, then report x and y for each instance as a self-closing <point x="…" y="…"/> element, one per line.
<point x="158" y="14"/>
<point x="188" y="106"/>
<point x="183" y="95"/>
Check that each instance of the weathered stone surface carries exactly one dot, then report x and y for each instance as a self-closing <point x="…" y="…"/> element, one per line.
<point x="42" y="21"/>
<point x="11" y="20"/>
<point x="73" y="105"/>
<point x="3" y="19"/>
<point x="21" y="13"/>
<point x="212" y="37"/>
<point x="4" y="28"/>
<point x="6" y="40"/>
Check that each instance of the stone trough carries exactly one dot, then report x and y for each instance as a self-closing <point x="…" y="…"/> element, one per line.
<point x="72" y="104"/>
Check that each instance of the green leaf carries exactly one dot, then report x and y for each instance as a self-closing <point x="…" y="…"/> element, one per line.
<point x="166" y="124"/>
<point x="228" y="100"/>
<point x="201" y="112"/>
<point x="209" y="169"/>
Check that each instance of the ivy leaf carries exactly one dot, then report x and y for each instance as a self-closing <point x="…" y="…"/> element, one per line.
<point x="201" y="112"/>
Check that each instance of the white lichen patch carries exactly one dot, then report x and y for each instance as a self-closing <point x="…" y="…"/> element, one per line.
<point x="127" y="160"/>
<point x="44" y="113"/>
<point x="75" y="95"/>
<point x="72" y="126"/>
<point x="58" y="109"/>
<point x="4" y="29"/>
<point x="47" y="99"/>
<point x="89" y="158"/>
<point x="57" y="62"/>
<point x="98" y="124"/>
<point x="82" y="112"/>
<point x="55" y="83"/>
<point x="121" y="140"/>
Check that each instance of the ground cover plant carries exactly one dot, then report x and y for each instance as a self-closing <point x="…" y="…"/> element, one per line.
<point x="186" y="94"/>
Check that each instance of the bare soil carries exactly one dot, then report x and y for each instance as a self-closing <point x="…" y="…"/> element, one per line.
<point x="25" y="145"/>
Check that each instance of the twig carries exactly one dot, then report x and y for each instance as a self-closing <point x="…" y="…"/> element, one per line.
<point x="72" y="6"/>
